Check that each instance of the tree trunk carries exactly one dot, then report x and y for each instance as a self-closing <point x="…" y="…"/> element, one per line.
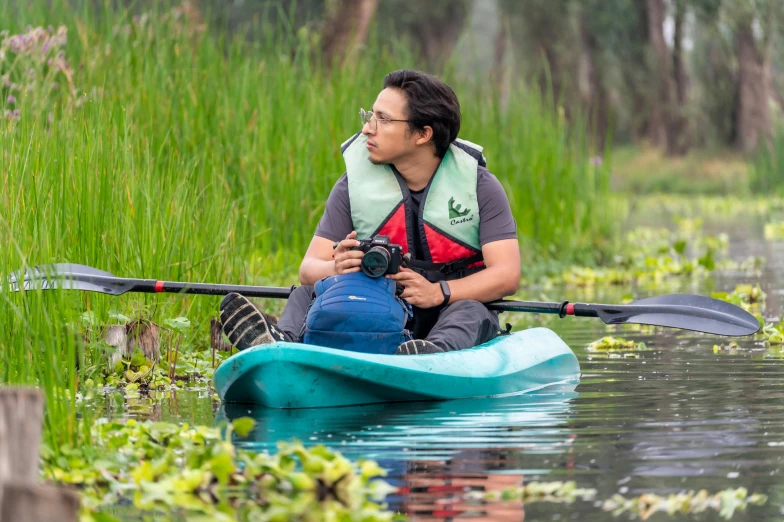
<point x="501" y="64"/>
<point x="752" y="113"/>
<point x="635" y="84"/>
<point x="677" y="131"/>
<point x="438" y="29"/>
<point x="657" y="127"/>
<point x="593" y="93"/>
<point x="347" y="28"/>
<point x="667" y="125"/>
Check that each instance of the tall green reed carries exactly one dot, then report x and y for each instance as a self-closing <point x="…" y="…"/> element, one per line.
<point x="173" y="151"/>
<point x="766" y="172"/>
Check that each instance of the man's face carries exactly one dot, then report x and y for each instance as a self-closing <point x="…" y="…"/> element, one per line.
<point x="390" y="140"/>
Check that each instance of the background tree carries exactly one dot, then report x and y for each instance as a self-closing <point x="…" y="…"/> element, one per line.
<point x="346" y="27"/>
<point x="433" y="26"/>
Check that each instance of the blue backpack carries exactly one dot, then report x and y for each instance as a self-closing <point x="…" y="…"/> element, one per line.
<point x="358" y="313"/>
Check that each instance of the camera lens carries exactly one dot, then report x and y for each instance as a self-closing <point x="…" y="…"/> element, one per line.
<point x="375" y="262"/>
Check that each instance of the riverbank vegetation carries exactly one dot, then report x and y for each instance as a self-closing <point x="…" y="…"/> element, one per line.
<point x="155" y="144"/>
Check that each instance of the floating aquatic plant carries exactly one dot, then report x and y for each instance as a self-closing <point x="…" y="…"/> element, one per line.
<point x="725" y="502"/>
<point x="565" y="492"/>
<point x="732" y="347"/>
<point x="745" y="295"/>
<point x="609" y="344"/>
<point x="130" y="352"/>
<point x="652" y="254"/>
<point x="774" y="231"/>
<point x="773" y="333"/>
<point x="163" y="469"/>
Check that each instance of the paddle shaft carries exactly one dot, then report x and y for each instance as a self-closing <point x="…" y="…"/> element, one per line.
<point x="690" y="312"/>
<point x="563" y="309"/>
<point x="154" y="286"/>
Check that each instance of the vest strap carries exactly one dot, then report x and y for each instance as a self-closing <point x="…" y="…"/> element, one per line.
<point x="445" y="268"/>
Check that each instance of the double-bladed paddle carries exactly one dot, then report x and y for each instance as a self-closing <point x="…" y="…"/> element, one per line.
<point x="689" y="312"/>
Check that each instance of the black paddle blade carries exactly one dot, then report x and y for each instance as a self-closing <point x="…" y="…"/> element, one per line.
<point x="67" y="276"/>
<point x="689" y="312"/>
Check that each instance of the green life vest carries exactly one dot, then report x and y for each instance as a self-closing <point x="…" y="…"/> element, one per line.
<point x="448" y="213"/>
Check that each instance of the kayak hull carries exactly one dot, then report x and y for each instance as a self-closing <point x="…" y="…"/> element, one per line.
<point x="292" y="375"/>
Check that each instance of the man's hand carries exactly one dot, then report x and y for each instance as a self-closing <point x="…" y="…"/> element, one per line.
<point x="347" y="260"/>
<point x="418" y="291"/>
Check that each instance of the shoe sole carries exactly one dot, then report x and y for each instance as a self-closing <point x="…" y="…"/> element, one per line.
<point x="243" y="323"/>
<point x="416" y="347"/>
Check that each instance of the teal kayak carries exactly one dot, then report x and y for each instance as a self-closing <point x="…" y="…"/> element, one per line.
<point x="292" y="375"/>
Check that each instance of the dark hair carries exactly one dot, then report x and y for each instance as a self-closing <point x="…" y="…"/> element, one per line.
<point x="430" y="102"/>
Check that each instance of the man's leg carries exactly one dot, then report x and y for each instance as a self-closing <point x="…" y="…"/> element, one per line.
<point x="292" y="320"/>
<point x="464" y="324"/>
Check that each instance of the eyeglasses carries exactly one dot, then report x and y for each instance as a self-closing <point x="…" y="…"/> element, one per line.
<point x="372" y="120"/>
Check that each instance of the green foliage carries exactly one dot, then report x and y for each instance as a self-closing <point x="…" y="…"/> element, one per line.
<point x="651" y="255"/>
<point x="748" y="297"/>
<point x="243" y="426"/>
<point x="767" y="173"/>
<point x="645" y="170"/>
<point x="165" y="469"/>
<point x="773" y="333"/>
<point x="563" y="492"/>
<point x="725" y="502"/>
<point x="611" y="344"/>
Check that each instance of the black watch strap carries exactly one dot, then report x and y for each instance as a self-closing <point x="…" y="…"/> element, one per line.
<point x="445" y="291"/>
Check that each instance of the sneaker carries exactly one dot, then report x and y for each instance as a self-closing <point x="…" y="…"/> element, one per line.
<point x="417" y="347"/>
<point x="245" y="325"/>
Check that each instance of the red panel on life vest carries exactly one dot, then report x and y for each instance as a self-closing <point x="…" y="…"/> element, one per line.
<point x="443" y="249"/>
<point x="395" y="228"/>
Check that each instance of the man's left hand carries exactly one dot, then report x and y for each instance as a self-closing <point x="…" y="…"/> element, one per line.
<point x="418" y="291"/>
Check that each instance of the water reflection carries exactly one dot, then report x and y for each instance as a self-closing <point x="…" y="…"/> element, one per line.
<point x="435" y="452"/>
<point x="435" y="429"/>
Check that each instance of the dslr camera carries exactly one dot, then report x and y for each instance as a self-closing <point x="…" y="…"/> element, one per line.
<point x="381" y="257"/>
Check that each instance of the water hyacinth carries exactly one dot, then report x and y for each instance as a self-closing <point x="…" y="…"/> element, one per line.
<point x="651" y="255"/>
<point x="609" y="343"/>
<point x="724" y="502"/>
<point x="164" y="469"/>
<point x="747" y="296"/>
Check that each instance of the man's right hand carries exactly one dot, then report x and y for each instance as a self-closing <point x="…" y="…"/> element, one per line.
<point x="347" y="260"/>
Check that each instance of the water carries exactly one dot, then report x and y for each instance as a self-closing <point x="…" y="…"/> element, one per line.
<point x="678" y="417"/>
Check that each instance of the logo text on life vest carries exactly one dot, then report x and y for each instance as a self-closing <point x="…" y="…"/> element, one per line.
<point x="454" y="210"/>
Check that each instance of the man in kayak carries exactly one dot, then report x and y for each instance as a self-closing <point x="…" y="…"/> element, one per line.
<point x="410" y="178"/>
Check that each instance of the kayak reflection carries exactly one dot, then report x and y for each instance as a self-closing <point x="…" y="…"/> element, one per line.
<point x="432" y="429"/>
<point x="435" y="452"/>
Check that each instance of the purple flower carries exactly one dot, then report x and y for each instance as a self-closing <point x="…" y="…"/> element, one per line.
<point x="15" y="44"/>
<point x="596" y="160"/>
<point x="11" y="99"/>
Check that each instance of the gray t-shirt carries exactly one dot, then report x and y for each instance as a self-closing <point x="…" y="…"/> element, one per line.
<point x="495" y="216"/>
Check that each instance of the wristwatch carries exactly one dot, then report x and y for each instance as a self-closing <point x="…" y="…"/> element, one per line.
<point x="445" y="291"/>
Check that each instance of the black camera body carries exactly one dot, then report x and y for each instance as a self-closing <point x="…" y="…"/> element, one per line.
<point x="381" y="257"/>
